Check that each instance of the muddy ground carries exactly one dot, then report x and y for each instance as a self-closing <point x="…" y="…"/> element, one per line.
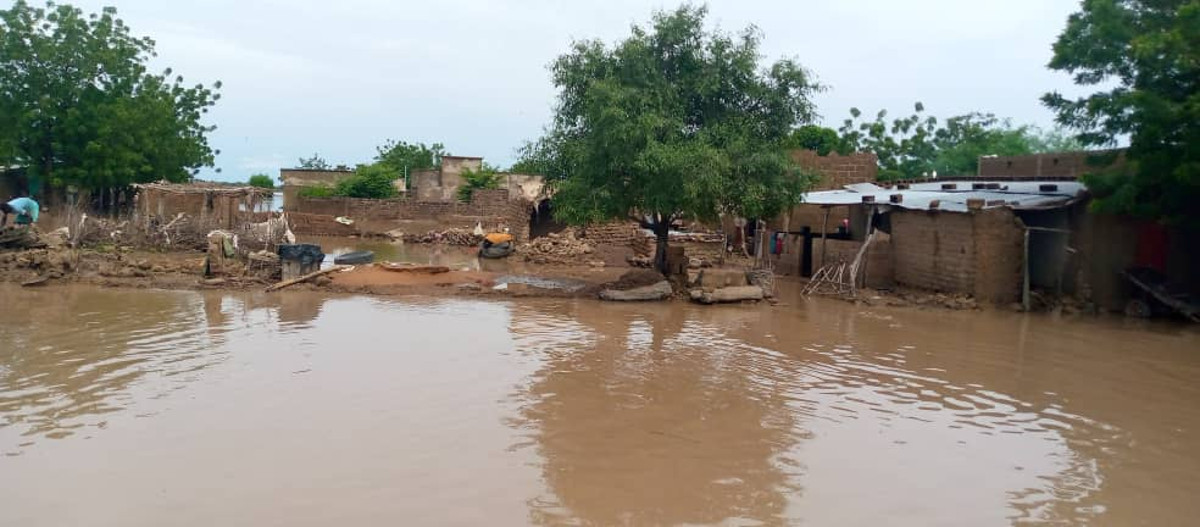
<point x="141" y="268"/>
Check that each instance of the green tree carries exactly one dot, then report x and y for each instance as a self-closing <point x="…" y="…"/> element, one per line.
<point x="487" y="177"/>
<point x="1148" y="52"/>
<point x="262" y="181"/>
<point x="405" y="157"/>
<point x="916" y="146"/>
<point x="905" y="148"/>
<point x="820" y="139"/>
<point x="675" y="121"/>
<point x="369" y="181"/>
<point x="77" y="105"/>
<point x="316" y="162"/>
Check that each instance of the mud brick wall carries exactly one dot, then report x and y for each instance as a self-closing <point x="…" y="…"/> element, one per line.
<point x="879" y="259"/>
<point x="934" y="250"/>
<point x="484" y="203"/>
<point x="318" y="225"/>
<point x="979" y="253"/>
<point x="491" y="208"/>
<point x="711" y="252"/>
<point x="999" y="255"/>
<point x="218" y="209"/>
<point x="615" y="234"/>
<point x="837" y="170"/>
<point x="518" y="213"/>
<point x="1054" y="165"/>
<point x="880" y="267"/>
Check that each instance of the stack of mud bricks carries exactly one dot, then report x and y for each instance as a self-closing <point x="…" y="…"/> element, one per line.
<point x="614" y="234"/>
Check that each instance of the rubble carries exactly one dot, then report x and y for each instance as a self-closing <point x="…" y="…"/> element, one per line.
<point x="727" y="294"/>
<point x="556" y="248"/>
<point x="658" y="291"/>
<point x="448" y="237"/>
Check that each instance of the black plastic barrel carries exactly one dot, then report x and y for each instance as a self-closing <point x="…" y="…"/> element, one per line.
<point x="305" y="254"/>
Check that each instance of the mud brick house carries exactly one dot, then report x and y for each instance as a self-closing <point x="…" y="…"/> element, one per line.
<point x="993" y="240"/>
<point x="221" y="206"/>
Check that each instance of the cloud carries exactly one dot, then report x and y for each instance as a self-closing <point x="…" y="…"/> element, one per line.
<point x="341" y="77"/>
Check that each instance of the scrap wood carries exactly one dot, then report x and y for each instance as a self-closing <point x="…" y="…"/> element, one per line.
<point x="409" y="268"/>
<point x="307" y="277"/>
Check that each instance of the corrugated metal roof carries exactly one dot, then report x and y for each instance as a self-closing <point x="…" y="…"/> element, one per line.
<point x="919" y="196"/>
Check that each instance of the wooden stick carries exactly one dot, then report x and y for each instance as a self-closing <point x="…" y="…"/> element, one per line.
<point x="305" y="278"/>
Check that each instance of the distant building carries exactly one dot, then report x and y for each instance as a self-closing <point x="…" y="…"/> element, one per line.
<point x="295" y="179"/>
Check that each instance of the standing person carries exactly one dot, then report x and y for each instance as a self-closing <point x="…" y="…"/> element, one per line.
<point x="26" y="210"/>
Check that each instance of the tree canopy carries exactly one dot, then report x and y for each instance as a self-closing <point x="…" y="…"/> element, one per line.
<point x="261" y="181"/>
<point x="78" y="106"/>
<point x="919" y="146"/>
<point x="315" y="162"/>
<point x="674" y="121"/>
<point x="1148" y="52"/>
<point x="401" y="156"/>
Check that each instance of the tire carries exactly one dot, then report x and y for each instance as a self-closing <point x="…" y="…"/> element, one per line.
<point x="500" y="250"/>
<point x="354" y="258"/>
<point x="1138" y="308"/>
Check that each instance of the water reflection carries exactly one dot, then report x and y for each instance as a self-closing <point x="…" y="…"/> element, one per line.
<point x="821" y="413"/>
<point x="70" y="359"/>
<point x="644" y="417"/>
<point x="555" y="412"/>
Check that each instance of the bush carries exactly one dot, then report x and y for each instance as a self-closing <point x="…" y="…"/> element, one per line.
<point x="486" y="177"/>
<point x="369" y="181"/>
<point x="317" y="192"/>
<point x="262" y="181"/>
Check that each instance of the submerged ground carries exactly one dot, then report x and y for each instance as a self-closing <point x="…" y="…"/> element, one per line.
<point x="149" y="407"/>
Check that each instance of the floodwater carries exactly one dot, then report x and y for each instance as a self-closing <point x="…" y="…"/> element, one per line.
<point x="131" y="408"/>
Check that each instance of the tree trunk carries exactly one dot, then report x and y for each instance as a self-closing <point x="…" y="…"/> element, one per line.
<point x="662" y="232"/>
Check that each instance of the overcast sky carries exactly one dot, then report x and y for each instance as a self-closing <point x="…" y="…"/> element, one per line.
<point x="340" y="77"/>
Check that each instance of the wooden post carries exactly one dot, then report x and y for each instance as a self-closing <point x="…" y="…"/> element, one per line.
<point x="1025" y="286"/>
<point x="824" y="236"/>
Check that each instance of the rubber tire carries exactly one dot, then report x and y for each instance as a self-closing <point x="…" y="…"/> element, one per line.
<point x="354" y="258"/>
<point x="1138" y="308"/>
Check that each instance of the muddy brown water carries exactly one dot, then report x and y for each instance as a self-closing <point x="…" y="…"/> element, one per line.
<point x="130" y="407"/>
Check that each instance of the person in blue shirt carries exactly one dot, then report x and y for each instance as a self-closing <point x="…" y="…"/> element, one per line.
<point x="26" y="210"/>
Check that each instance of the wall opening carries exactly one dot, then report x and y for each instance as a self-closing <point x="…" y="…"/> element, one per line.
<point x="542" y="222"/>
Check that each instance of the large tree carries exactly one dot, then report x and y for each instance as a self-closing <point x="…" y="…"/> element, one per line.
<point x="675" y="121"/>
<point x="1146" y="53"/>
<point x="78" y="106"/>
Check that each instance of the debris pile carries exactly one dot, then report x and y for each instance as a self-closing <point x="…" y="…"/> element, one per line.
<point x="698" y="237"/>
<point x="448" y="237"/>
<point x="638" y="285"/>
<point x="15" y="238"/>
<point x="556" y="247"/>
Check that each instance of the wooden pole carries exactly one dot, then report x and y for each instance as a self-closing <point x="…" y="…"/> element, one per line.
<point x="824" y="235"/>
<point x="1025" y="285"/>
<point x="309" y="276"/>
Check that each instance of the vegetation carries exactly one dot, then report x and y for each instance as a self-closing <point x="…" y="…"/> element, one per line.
<point x="674" y="121"/>
<point x="316" y="162"/>
<point x="78" y="106"/>
<point x="1148" y="54"/>
<point x="261" y="181"/>
<point x="402" y="157"/>
<point x="317" y="192"/>
<point x="369" y="181"/>
<point x="918" y="146"/>
<point x="819" y="139"/>
<point x="487" y="177"/>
